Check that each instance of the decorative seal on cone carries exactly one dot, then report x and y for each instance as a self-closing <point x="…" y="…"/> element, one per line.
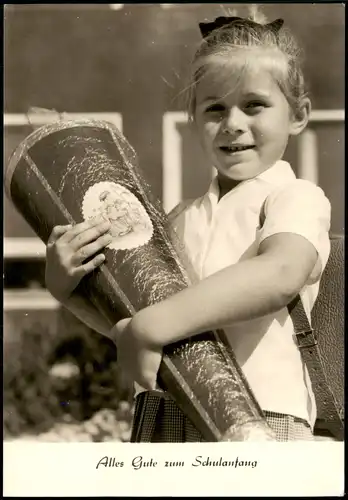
<point x="131" y="226"/>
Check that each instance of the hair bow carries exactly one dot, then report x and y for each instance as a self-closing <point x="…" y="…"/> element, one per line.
<point x="207" y="28"/>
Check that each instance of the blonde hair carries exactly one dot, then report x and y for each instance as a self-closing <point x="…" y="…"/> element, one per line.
<point x="238" y="36"/>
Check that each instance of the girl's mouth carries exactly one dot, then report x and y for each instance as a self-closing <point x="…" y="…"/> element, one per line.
<point x="235" y="149"/>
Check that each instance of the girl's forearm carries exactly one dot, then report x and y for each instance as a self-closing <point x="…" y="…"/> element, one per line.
<point x="85" y="311"/>
<point x="244" y="291"/>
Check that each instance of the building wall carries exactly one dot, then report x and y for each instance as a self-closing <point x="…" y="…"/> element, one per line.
<point x="135" y="61"/>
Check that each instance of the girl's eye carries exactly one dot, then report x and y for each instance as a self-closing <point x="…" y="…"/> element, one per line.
<point x="255" y="105"/>
<point x="214" y="108"/>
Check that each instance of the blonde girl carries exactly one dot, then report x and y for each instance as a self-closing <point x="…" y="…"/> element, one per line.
<point x="256" y="238"/>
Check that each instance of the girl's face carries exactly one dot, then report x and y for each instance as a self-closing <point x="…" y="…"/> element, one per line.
<point x="243" y="122"/>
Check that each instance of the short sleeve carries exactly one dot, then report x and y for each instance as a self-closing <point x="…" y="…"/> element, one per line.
<point x="301" y="208"/>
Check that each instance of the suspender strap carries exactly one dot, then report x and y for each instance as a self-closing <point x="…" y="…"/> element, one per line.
<point x="307" y="342"/>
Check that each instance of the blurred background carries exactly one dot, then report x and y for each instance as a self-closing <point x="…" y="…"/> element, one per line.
<point x="129" y="64"/>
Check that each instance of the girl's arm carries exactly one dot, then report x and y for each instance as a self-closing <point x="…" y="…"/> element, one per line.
<point x="249" y="289"/>
<point x="85" y="311"/>
<point x="72" y="252"/>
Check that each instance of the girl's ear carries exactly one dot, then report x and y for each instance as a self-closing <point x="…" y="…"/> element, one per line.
<point x="300" y="118"/>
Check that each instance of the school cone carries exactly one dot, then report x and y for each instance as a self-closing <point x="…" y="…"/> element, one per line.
<point x="70" y="171"/>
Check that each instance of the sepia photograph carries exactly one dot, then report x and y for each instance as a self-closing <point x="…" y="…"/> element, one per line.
<point x="174" y="230"/>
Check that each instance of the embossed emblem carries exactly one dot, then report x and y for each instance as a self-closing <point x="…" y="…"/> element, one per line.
<point x="131" y="226"/>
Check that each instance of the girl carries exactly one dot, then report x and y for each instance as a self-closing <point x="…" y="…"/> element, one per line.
<point x="247" y="98"/>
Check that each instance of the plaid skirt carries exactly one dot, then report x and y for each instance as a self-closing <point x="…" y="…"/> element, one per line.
<point x="157" y="419"/>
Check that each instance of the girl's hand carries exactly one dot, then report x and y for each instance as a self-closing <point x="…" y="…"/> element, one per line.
<point x="137" y="360"/>
<point x="68" y="250"/>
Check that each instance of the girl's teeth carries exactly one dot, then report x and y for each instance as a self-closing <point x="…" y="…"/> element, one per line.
<point x="236" y="148"/>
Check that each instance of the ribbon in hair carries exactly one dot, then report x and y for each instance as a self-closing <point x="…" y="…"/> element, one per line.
<point x="207" y="28"/>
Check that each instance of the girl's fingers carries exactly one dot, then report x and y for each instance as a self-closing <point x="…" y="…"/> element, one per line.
<point x="89" y="234"/>
<point x="82" y="227"/>
<point x="89" y="250"/>
<point x="90" y="266"/>
<point x="57" y="232"/>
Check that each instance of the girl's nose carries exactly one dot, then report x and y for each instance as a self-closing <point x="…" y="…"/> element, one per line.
<point x="234" y="122"/>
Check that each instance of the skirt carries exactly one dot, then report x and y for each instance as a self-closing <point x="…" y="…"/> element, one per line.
<point x="157" y="419"/>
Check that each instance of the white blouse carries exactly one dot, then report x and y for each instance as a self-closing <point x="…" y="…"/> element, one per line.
<point x="218" y="234"/>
